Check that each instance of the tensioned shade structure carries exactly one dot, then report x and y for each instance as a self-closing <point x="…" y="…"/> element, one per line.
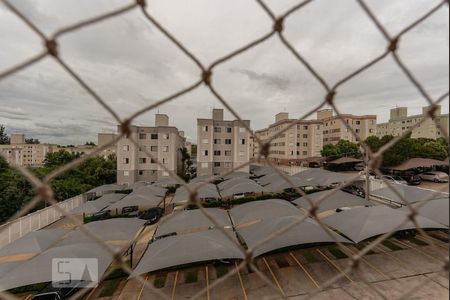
<point x="345" y="160"/>
<point x="92" y="207"/>
<point x="142" y="202"/>
<point x="166" y="182"/>
<point x="202" y="179"/>
<point x="266" y="170"/>
<point x="150" y="190"/>
<point x="306" y="232"/>
<point x="118" y="231"/>
<point x="237" y="175"/>
<point x="232" y="182"/>
<point x="261" y="210"/>
<point x="243" y="188"/>
<point x="320" y="177"/>
<point x="107" y="188"/>
<point x="186" y="249"/>
<point x="282" y="184"/>
<point x="436" y="210"/>
<point x="414" y="163"/>
<point x="337" y="199"/>
<point x="267" y="179"/>
<point x="33" y="242"/>
<point x="137" y="185"/>
<point x="39" y="268"/>
<point x="362" y="223"/>
<point x="188" y="221"/>
<point x="206" y="191"/>
<point x="410" y="193"/>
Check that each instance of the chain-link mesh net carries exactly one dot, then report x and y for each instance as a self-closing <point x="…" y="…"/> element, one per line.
<point x="371" y="159"/>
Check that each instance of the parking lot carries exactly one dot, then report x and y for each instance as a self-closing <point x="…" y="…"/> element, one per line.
<point x="392" y="268"/>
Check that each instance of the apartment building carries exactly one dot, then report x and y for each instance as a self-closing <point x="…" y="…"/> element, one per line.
<point x="304" y="139"/>
<point x="23" y="154"/>
<point x="399" y="122"/>
<point x="334" y="129"/>
<point x="222" y="145"/>
<point x="162" y="141"/>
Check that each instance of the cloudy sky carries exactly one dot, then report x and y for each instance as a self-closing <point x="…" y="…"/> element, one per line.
<point x="131" y="64"/>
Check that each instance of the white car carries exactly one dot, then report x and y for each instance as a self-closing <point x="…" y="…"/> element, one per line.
<point x="434" y="176"/>
<point x="394" y="179"/>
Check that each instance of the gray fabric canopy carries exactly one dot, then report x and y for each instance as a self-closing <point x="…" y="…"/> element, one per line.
<point x="336" y="200"/>
<point x="410" y="193"/>
<point x="306" y="232"/>
<point x="419" y="163"/>
<point x="119" y="230"/>
<point x="202" y="179"/>
<point x="262" y="210"/>
<point x="191" y="221"/>
<point x="232" y="182"/>
<point x="436" y="210"/>
<point x="320" y="177"/>
<point x="137" y="185"/>
<point x="237" y="175"/>
<point x="166" y="182"/>
<point x="92" y="207"/>
<point x="267" y="179"/>
<point x="362" y="223"/>
<point x="34" y="242"/>
<point x="243" y="188"/>
<point x="206" y="191"/>
<point x="263" y="171"/>
<point x="150" y="190"/>
<point x="186" y="249"/>
<point x="282" y="184"/>
<point x="107" y="188"/>
<point x="39" y="268"/>
<point x="142" y="202"/>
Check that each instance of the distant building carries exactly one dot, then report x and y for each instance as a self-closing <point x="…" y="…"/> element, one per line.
<point x="162" y="141"/>
<point x="334" y="129"/>
<point x="222" y="145"/>
<point x="23" y="154"/>
<point x="303" y="140"/>
<point x="400" y="122"/>
<point x="105" y="138"/>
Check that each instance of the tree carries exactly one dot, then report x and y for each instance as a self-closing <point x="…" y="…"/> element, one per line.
<point x="329" y="150"/>
<point x="187" y="172"/>
<point x="90" y="144"/>
<point x="59" y="158"/>
<point x="32" y="141"/>
<point x="4" y="138"/>
<point x="342" y="148"/>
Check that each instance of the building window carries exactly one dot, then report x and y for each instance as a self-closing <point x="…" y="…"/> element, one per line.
<point x="305" y="136"/>
<point x="358" y="122"/>
<point x="153" y="161"/>
<point x="305" y="144"/>
<point x="305" y="153"/>
<point x="205" y="128"/>
<point x="126" y="148"/>
<point x="205" y="153"/>
<point x="228" y="165"/>
<point x="126" y="161"/>
<point x="154" y="136"/>
<point x="228" y="142"/>
<point x="165" y="148"/>
<point x="143" y="160"/>
<point x="142" y="136"/>
<point x="217" y="129"/>
<point x="357" y="130"/>
<point x="217" y="164"/>
<point x="242" y="141"/>
<point x="217" y="141"/>
<point x="154" y="148"/>
<point x="229" y="130"/>
<point x="217" y="153"/>
<point x="228" y="153"/>
<point x="305" y="127"/>
<point x="165" y="136"/>
<point x="141" y="172"/>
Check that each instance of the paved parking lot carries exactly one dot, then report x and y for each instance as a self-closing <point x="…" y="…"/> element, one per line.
<point x="393" y="268"/>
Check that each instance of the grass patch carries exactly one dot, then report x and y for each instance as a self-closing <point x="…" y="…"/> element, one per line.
<point x="160" y="281"/>
<point x="392" y="246"/>
<point x="336" y="252"/>
<point x="109" y="287"/>
<point x="310" y="258"/>
<point x="417" y="241"/>
<point x="191" y="276"/>
<point x="221" y="270"/>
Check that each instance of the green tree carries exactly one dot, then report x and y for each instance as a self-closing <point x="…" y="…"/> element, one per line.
<point x="4" y="138"/>
<point x="186" y="171"/>
<point x="59" y="158"/>
<point x="90" y="144"/>
<point x="329" y="150"/>
<point x="32" y="141"/>
<point x="342" y="148"/>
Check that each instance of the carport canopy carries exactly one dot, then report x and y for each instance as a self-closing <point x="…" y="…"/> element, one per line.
<point x="34" y="242"/>
<point x="333" y="199"/>
<point x="243" y="188"/>
<point x="137" y="200"/>
<point x="205" y="191"/>
<point x="92" y="207"/>
<point x="320" y="177"/>
<point x="415" y="163"/>
<point x="362" y="223"/>
<point x="436" y="210"/>
<point x="410" y="193"/>
<point x="187" y="249"/>
<point x="282" y="184"/>
<point x="232" y="182"/>
<point x="150" y="190"/>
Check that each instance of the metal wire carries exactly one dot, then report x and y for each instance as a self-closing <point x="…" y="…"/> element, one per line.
<point x="45" y="193"/>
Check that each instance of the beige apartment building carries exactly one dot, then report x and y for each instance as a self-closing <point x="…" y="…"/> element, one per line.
<point x="399" y="122"/>
<point x="222" y="145"/>
<point x="162" y="141"/>
<point x="334" y="129"/>
<point x="102" y="140"/>
<point x="304" y="139"/>
<point x="23" y="154"/>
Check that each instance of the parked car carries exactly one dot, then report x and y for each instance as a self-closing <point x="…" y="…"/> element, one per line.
<point x="289" y="195"/>
<point x="412" y="179"/>
<point x="354" y="190"/>
<point x="394" y="179"/>
<point x="152" y="215"/>
<point x="434" y="176"/>
<point x="359" y="167"/>
<point x="57" y="293"/>
<point x="101" y="215"/>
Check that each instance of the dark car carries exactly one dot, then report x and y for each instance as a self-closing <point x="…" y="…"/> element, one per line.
<point x="58" y="293"/>
<point x="412" y="179"/>
<point x="101" y="215"/>
<point x="152" y="215"/>
<point x="289" y="195"/>
<point x="354" y="190"/>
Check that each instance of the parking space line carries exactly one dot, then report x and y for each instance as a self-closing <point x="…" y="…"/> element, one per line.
<point x="142" y="288"/>
<point x="370" y="265"/>
<point x="28" y="297"/>
<point x="174" y="285"/>
<point x="274" y="277"/>
<point x="304" y="270"/>
<point x="244" y="293"/>
<point x="207" y="282"/>
<point x="401" y="262"/>
<point x="334" y="265"/>
<point x="418" y="250"/>
<point x="437" y="242"/>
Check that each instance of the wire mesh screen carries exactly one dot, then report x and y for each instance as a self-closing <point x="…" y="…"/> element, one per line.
<point x="51" y="46"/>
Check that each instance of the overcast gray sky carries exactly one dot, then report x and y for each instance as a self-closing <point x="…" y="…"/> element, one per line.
<point x="130" y="64"/>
